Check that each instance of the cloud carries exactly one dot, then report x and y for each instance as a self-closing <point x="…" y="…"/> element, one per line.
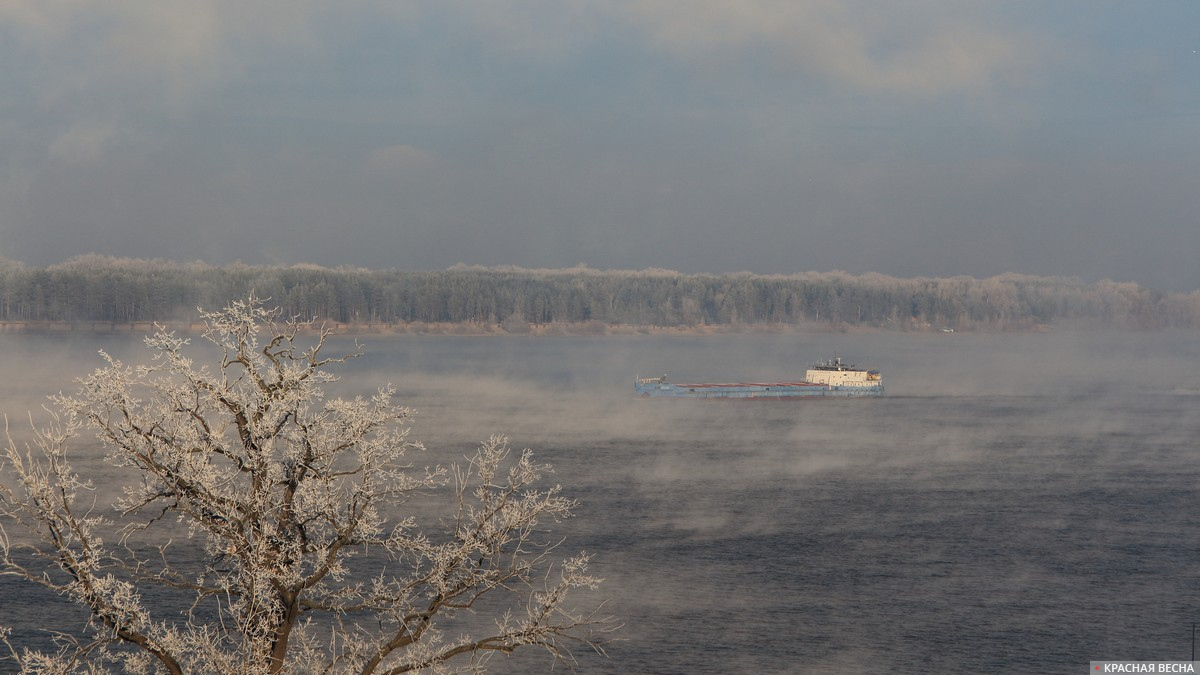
<point x="174" y="47"/>
<point x="172" y="52"/>
<point x="544" y="29"/>
<point x="101" y="77"/>
<point x="401" y="158"/>
<point x="82" y="143"/>
<point x="920" y="48"/>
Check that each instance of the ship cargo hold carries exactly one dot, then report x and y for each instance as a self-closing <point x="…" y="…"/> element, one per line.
<point x="833" y="378"/>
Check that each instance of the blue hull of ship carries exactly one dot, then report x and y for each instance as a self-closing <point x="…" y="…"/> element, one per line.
<point x="772" y="391"/>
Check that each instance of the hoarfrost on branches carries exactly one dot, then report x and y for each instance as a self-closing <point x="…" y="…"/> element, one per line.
<point x="294" y="558"/>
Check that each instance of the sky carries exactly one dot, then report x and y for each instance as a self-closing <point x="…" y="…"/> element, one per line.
<point x="925" y="138"/>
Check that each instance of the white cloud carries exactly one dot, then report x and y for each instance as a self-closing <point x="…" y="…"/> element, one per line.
<point x="172" y="51"/>
<point x="160" y="50"/>
<point x="82" y="143"/>
<point x="531" y="28"/>
<point x="98" y="72"/>
<point x="914" y="47"/>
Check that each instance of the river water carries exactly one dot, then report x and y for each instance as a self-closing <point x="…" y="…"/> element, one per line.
<point x="1016" y="503"/>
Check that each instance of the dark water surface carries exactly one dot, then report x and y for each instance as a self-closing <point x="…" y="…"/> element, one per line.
<point x="1017" y="503"/>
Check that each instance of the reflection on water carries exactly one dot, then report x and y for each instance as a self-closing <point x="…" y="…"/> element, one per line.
<point x="1016" y="504"/>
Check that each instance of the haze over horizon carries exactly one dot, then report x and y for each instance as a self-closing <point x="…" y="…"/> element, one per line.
<point x="927" y="138"/>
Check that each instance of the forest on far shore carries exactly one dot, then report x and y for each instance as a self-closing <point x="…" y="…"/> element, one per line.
<point x="100" y="290"/>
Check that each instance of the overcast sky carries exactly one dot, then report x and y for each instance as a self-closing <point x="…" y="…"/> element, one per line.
<point x="911" y="138"/>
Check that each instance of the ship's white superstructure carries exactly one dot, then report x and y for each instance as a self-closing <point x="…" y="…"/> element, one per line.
<point x="838" y="374"/>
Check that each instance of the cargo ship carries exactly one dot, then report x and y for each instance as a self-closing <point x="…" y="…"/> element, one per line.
<point x="832" y="378"/>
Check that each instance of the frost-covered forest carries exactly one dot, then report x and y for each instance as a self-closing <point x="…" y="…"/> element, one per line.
<point x="99" y="289"/>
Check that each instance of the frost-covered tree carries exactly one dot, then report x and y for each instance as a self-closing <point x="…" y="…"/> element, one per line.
<point x="289" y="523"/>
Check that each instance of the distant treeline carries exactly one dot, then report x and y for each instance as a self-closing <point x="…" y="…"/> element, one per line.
<point x="102" y="289"/>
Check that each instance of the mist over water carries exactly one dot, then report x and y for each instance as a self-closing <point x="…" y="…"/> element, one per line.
<point x="1015" y="503"/>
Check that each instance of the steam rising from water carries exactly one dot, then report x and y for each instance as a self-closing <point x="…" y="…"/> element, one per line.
<point x="1016" y="502"/>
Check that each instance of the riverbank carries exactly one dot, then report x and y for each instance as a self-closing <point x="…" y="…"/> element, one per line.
<point x="593" y="328"/>
<point x="586" y="328"/>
